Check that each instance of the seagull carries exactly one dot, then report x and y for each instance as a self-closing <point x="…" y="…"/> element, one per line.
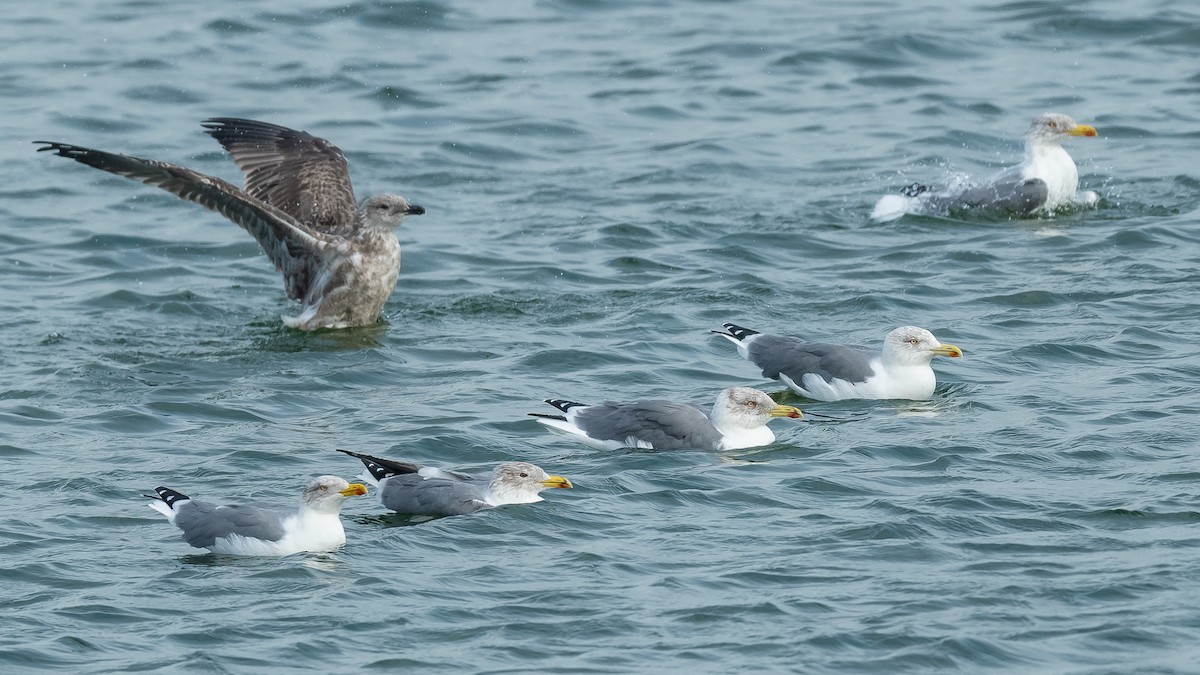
<point x="1047" y="180"/>
<point x="738" y="420"/>
<point x="263" y="530"/>
<point x="339" y="259"/>
<point x="428" y="491"/>
<point x="829" y="372"/>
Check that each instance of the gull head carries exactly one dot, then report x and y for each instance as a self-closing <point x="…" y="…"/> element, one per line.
<point x="746" y="408"/>
<point x="326" y="493"/>
<point x="1054" y="128"/>
<point x="525" y="478"/>
<point x="912" y="346"/>
<point x="387" y="210"/>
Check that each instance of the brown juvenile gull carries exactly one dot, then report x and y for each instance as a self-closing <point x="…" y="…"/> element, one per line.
<point x="429" y="491"/>
<point x="738" y="420"/>
<point x="829" y="372"/>
<point x="1045" y="181"/>
<point x="252" y="529"/>
<point x="339" y="259"/>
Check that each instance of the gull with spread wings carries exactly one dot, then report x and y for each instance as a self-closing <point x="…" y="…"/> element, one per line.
<point x="338" y="258"/>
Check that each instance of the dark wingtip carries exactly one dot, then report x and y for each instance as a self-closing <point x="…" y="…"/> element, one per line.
<point x="547" y="416"/>
<point x="562" y="403"/>
<point x="224" y="128"/>
<point x="218" y="122"/>
<point x="382" y="468"/>
<point x="169" y="496"/>
<point x="736" y="332"/>
<point x="61" y="149"/>
<point x="243" y="129"/>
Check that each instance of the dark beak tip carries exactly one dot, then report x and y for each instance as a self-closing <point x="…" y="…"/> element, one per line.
<point x="414" y="210"/>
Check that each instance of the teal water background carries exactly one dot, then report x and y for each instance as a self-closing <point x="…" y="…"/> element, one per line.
<point x="605" y="183"/>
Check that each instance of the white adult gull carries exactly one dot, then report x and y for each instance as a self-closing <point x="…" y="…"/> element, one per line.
<point x="428" y="491"/>
<point x="738" y="420"/>
<point x="1044" y="182"/>
<point x="830" y="372"/>
<point x="339" y="259"/>
<point x="260" y="530"/>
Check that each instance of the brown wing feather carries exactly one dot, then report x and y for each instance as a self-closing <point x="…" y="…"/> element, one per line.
<point x="294" y="248"/>
<point x="294" y="171"/>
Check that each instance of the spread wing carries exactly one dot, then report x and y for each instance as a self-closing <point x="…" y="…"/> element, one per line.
<point x="294" y="171"/>
<point x="294" y="248"/>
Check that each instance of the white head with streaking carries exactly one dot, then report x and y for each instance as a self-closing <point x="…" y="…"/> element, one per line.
<point x="907" y="352"/>
<point x="741" y="415"/>
<point x="913" y="346"/>
<point x="325" y="494"/>
<point x="520" y="483"/>
<point x="1056" y="128"/>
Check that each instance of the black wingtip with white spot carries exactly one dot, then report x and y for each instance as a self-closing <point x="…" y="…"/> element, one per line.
<point x="382" y="468"/>
<point x="563" y="404"/>
<point x="170" y="496"/>
<point x="736" y="332"/>
<point x="915" y="189"/>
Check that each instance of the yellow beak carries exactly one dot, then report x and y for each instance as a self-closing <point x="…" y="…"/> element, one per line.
<point x="948" y="350"/>
<point x="353" y="490"/>
<point x="1082" y="130"/>
<point x="786" y="411"/>
<point x="557" y="482"/>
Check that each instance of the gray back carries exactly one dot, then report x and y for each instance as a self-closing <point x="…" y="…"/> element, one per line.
<point x="665" y="425"/>
<point x="411" y="494"/>
<point x="203" y="523"/>
<point x="796" y="358"/>
<point x="1008" y="195"/>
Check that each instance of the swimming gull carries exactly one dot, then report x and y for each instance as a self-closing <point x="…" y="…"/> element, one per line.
<point x="830" y="372"/>
<point x="340" y="260"/>
<point x="253" y="529"/>
<point x="1045" y="181"/>
<point x="428" y="491"/>
<point x="738" y="420"/>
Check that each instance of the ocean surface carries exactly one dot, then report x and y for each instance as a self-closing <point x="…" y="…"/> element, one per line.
<point x="607" y="182"/>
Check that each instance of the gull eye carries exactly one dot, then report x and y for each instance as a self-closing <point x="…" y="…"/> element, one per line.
<point x="752" y="404"/>
<point x="524" y="475"/>
<point x="914" y="341"/>
<point x="1053" y="125"/>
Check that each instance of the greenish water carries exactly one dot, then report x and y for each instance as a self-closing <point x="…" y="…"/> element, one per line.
<point x="605" y="183"/>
